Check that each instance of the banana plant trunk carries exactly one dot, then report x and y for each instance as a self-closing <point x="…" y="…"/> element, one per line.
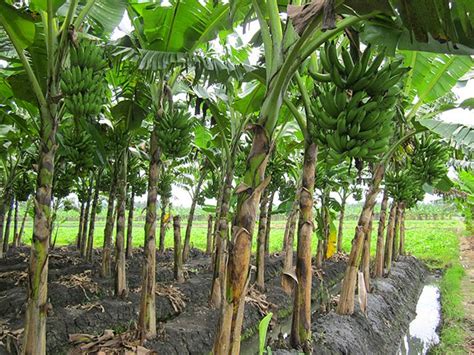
<point x="269" y="223"/>
<point x="130" y="225"/>
<point x="34" y="341"/>
<point x="187" y="236"/>
<point x="86" y="220"/>
<point x="6" y="238"/>
<point x="301" y="322"/>
<point x="23" y="221"/>
<point x="221" y="240"/>
<point x="262" y="225"/>
<point x="319" y="254"/>
<point x="326" y="229"/>
<point x="365" y="267"/>
<point x="121" y="289"/>
<point x="396" y="234"/>
<point x="218" y="212"/>
<point x="147" y="316"/>
<point x="379" y="250"/>
<point x="227" y="339"/>
<point x="106" y="269"/>
<point x="2" y="221"/>
<point x="178" y="255"/>
<point x="340" y="230"/>
<point x="290" y="236"/>
<point x="287" y="229"/>
<point x="16" y="240"/>
<point x="389" y="237"/>
<point x="81" y="225"/>
<point x="209" y="235"/>
<point x="347" y="295"/>
<point x="164" y="204"/>
<point x="402" y="231"/>
<point x="90" y="237"/>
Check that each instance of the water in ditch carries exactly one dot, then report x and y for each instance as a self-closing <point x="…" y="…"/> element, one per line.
<point x="422" y="333"/>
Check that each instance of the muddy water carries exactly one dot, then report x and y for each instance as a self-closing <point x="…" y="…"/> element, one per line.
<point x="421" y="335"/>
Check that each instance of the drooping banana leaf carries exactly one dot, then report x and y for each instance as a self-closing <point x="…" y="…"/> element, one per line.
<point x="459" y="135"/>
<point x="432" y="75"/>
<point x="429" y="25"/>
<point x="180" y="27"/>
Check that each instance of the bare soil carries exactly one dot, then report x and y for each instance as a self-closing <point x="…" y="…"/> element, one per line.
<point x="81" y="302"/>
<point x="391" y="306"/>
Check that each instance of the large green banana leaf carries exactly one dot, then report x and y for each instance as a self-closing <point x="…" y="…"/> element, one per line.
<point x="180" y="27"/>
<point x="106" y="14"/>
<point x="429" y="25"/>
<point x="459" y="135"/>
<point x="433" y="75"/>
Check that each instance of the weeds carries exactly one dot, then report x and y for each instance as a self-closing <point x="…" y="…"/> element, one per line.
<point x="452" y="332"/>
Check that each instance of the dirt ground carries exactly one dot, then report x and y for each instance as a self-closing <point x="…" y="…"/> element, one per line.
<point x="467" y="287"/>
<point x="390" y="308"/>
<point x="85" y="317"/>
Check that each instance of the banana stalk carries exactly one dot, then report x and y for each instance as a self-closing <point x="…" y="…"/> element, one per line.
<point x="301" y="322"/>
<point x="346" y="300"/>
<point x="106" y="268"/>
<point x="121" y="288"/>
<point x="379" y="251"/>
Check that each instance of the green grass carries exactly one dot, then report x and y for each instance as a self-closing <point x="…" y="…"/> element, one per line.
<point x="452" y="332"/>
<point x="434" y="241"/>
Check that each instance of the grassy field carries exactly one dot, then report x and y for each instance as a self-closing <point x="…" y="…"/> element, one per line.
<point x="452" y="331"/>
<point x="434" y="241"/>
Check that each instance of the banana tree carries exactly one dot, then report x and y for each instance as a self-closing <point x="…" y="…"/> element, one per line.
<point x="199" y="175"/>
<point x="230" y="118"/>
<point x="463" y="194"/>
<point x="284" y="51"/>
<point x="13" y="166"/>
<point x="166" y="50"/>
<point x="128" y="115"/>
<point x="137" y="187"/>
<point x="431" y="77"/>
<point x="43" y="73"/>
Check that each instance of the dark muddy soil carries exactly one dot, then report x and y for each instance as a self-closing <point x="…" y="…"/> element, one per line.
<point x="83" y="302"/>
<point x="390" y="308"/>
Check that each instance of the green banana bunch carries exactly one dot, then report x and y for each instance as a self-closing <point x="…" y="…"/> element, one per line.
<point x="164" y="187"/>
<point x="174" y="132"/>
<point x="429" y="159"/>
<point x="355" y="103"/>
<point x="359" y="75"/>
<point x="88" y="55"/>
<point x="83" y="84"/>
<point x="79" y="149"/>
<point x="404" y="186"/>
<point x="354" y="126"/>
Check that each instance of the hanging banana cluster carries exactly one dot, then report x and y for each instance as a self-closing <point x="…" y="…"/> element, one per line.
<point x="175" y="133"/>
<point x="425" y="164"/>
<point x="356" y="104"/>
<point x="404" y="186"/>
<point x="79" y="148"/>
<point x="164" y="188"/>
<point x="429" y="159"/>
<point x="83" y="82"/>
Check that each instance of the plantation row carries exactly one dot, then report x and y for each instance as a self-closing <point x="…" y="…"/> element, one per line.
<point x="326" y="98"/>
